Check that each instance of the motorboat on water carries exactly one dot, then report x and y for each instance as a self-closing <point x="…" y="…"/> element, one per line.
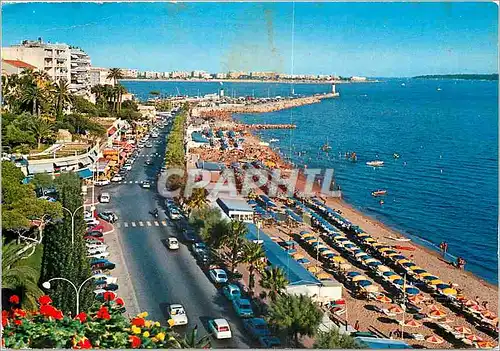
<point x="375" y="163"/>
<point x="395" y="155"/>
<point x="274" y="140"/>
<point x="379" y="193"/>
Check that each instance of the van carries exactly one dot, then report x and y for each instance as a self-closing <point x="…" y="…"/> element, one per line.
<point x="104" y="198"/>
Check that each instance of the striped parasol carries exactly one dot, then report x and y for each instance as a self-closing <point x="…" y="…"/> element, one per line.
<point x="486" y="344"/>
<point x="463" y="330"/>
<point x="416" y="298"/>
<point x="434" y="339"/>
<point x="474" y="337"/>
<point x="395" y="309"/>
<point x="384" y="299"/>
<point x="412" y="323"/>
<point x="437" y="314"/>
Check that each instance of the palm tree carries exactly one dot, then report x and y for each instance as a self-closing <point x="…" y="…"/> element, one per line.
<point x="296" y="315"/>
<point x="274" y="280"/>
<point x="63" y="96"/>
<point x="234" y="239"/>
<point x="191" y="340"/>
<point x="115" y="74"/>
<point x="41" y="129"/>
<point x="253" y="254"/>
<point x="17" y="276"/>
<point x="109" y="94"/>
<point x="33" y="95"/>
<point x="120" y="90"/>
<point x="198" y="199"/>
<point x="332" y="339"/>
<point x="99" y="91"/>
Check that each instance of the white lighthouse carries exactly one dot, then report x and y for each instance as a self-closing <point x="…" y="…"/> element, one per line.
<point x="333" y="89"/>
<point x="221" y="91"/>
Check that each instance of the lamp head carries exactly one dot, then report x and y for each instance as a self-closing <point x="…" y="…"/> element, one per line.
<point x="46" y="285"/>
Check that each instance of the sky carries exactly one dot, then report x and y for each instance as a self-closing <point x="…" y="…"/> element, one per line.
<point x="362" y="39"/>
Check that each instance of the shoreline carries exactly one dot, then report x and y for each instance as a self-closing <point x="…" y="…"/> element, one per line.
<point x="199" y="80"/>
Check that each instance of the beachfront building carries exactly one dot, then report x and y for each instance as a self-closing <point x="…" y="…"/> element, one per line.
<point x="236" y="209"/>
<point x="10" y="67"/>
<point x="59" y="61"/>
<point x="99" y="76"/>
<point x="264" y="75"/>
<point x="237" y="74"/>
<point x="220" y="76"/>
<point x="179" y="75"/>
<point x="129" y="73"/>
<point x="358" y="79"/>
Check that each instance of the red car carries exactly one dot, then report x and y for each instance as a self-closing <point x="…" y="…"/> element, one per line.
<point x="97" y="228"/>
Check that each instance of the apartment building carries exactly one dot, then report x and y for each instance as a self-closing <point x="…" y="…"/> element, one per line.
<point x="179" y="74"/>
<point x="237" y="75"/>
<point x="220" y="76"/>
<point x="129" y="73"/>
<point x="59" y="61"/>
<point x="264" y="75"/>
<point x="99" y="75"/>
<point x="10" y="67"/>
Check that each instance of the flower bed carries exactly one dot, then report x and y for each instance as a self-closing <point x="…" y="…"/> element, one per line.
<point x="103" y="326"/>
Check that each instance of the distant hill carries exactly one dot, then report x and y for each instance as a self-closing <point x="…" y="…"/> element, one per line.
<point x="460" y="76"/>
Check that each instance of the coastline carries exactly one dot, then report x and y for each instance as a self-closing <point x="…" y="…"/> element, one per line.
<point x="280" y="81"/>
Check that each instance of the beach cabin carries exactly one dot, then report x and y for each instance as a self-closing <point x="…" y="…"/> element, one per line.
<point x="236" y="209"/>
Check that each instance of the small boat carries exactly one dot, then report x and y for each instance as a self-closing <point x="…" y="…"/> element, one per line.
<point x="438" y="89"/>
<point x="395" y="155"/>
<point x="326" y="147"/>
<point x="399" y="239"/>
<point x="379" y="193"/>
<point x="274" y="140"/>
<point x="375" y="163"/>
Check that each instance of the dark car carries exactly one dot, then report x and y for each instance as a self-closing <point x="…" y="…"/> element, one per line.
<point x="95" y="233"/>
<point x="108" y="216"/>
<point x="189" y="235"/>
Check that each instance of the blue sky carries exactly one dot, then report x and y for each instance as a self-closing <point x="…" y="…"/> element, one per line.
<point x="368" y="39"/>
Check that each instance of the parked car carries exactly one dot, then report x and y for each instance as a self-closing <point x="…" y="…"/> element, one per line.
<point x="177" y="314"/>
<point x="149" y="145"/>
<point x="173" y="213"/>
<point x="218" y="275"/>
<point x="149" y="162"/>
<point x="242" y="307"/>
<point x="91" y="221"/>
<point x="146" y="184"/>
<point x="93" y="239"/>
<point x="99" y="255"/>
<point x="96" y="249"/>
<point x="117" y="178"/>
<point x="189" y="235"/>
<point x="104" y="198"/>
<point x="269" y="341"/>
<point x="101" y="182"/>
<point x="95" y="228"/>
<point x="101" y="264"/>
<point x="47" y="198"/>
<point x="231" y="291"/>
<point x="127" y="167"/>
<point x="108" y="216"/>
<point x="173" y="243"/>
<point x="203" y="258"/>
<point x="94" y="234"/>
<point x="198" y="246"/>
<point x="220" y="328"/>
<point x="257" y="327"/>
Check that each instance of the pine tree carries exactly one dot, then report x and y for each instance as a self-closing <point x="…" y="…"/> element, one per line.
<point x="60" y="257"/>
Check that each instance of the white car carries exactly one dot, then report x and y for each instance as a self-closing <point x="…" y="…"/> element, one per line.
<point x="96" y="249"/>
<point x="104" y="198"/>
<point x="220" y="328"/>
<point x="101" y="182"/>
<point x="117" y="178"/>
<point x="99" y="255"/>
<point x="178" y="314"/>
<point x="91" y="221"/>
<point x="154" y="135"/>
<point x="127" y="167"/>
<point x="87" y="214"/>
<point x="173" y="243"/>
<point x="218" y="275"/>
<point x="146" y="184"/>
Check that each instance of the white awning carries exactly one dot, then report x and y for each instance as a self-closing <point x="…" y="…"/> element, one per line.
<point x="85" y="161"/>
<point x="41" y="168"/>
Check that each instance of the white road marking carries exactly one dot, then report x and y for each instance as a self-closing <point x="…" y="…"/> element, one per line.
<point x="157" y="224"/>
<point x="164" y="223"/>
<point x="136" y="181"/>
<point x="133" y="224"/>
<point x="149" y="223"/>
<point x="141" y="224"/>
<point x="118" y="225"/>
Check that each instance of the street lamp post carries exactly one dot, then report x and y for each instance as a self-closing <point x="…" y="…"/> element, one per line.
<point x="46" y="285"/>
<point x="72" y="214"/>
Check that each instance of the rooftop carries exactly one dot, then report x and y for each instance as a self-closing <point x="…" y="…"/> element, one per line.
<point x="19" y="64"/>
<point x="234" y="205"/>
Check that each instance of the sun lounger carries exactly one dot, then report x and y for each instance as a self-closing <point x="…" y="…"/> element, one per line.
<point x="417" y="336"/>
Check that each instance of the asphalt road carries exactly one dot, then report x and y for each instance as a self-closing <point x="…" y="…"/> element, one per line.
<point x="159" y="276"/>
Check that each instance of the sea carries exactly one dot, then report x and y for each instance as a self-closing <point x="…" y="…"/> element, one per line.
<point x="444" y="184"/>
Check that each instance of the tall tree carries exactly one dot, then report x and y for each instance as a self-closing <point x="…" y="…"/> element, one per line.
<point x="17" y="276"/>
<point x="62" y="96"/>
<point x="234" y="240"/>
<point x="100" y="94"/>
<point x="296" y="315"/>
<point x="274" y="280"/>
<point x="41" y="129"/>
<point x="60" y="257"/>
<point x="253" y="253"/>
<point x="33" y="95"/>
<point x="115" y="74"/>
<point x="120" y="90"/>
<point x="198" y="199"/>
<point x="333" y="339"/>
<point x="204" y="219"/>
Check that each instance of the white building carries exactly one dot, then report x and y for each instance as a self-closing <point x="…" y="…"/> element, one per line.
<point x="220" y="76"/>
<point x="236" y="209"/>
<point x="99" y="75"/>
<point x="10" y="67"/>
<point x="80" y="72"/>
<point x="179" y="74"/>
<point x="358" y="79"/>
<point x="129" y="73"/>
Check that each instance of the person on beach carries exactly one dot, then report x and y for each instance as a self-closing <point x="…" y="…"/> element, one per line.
<point x="441" y="247"/>
<point x="356" y="325"/>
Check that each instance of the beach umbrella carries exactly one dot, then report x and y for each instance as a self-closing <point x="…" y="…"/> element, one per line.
<point x="316" y="243"/>
<point x="374" y="263"/>
<point x="412" y="323"/>
<point x="388" y="273"/>
<point x="393" y="277"/>
<point x="369" y="240"/>
<point x="391" y="253"/>
<point x="323" y="276"/>
<point x="486" y="344"/>
<point x="398" y="258"/>
<point x="416" y="298"/>
<point x="384" y="299"/>
<point x="401" y="260"/>
<point x="488" y="314"/>
<point x="382" y="268"/>
<point x="322" y="248"/>
<point x="307" y="235"/>
<point x="419" y="271"/>
<point x="313" y="269"/>
<point x="437" y="314"/>
<point x="349" y="245"/>
<point x="357" y="251"/>
<point x="303" y="261"/>
<point x="370" y="288"/>
<point x="395" y="309"/>
<point x="411" y="290"/>
<point x="434" y="339"/>
<point x="449" y="292"/>
<point x="435" y="282"/>
<point x="430" y="277"/>
<point x="424" y="274"/>
<point x="384" y="249"/>
<point x="358" y="278"/>
<point x="442" y="286"/>
<point x="359" y="254"/>
<point x="354" y="248"/>
<point x="379" y="245"/>
<point x="328" y="255"/>
<point x="338" y="259"/>
<point x="407" y="264"/>
<point x="309" y="238"/>
<point x="304" y="232"/>
<point x="474" y="337"/>
<point x="398" y="282"/>
<point x="364" y="283"/>
<point x="463" y="330"/>
<point x="370" y="259"/>
<point x="413" y="268"/>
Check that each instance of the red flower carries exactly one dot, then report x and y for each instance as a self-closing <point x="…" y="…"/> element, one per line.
<point x="84" y="343"/>
<point x="5" y="321"/>
<point x="109" y="296"/>
<point x="103" y="313"/>
<point x="14" y="299"/>
<point x="119" y="301"/>
<point x="18" y="322"/>
<point x="57" y="314"/>
<point x="135" y="341"/>
<point x="138" y="322"/>
<point x="45" y="300"/>
<point x="51" y="311"/>
<point x="19" y="312"/>
<point x="82" y="316"/>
